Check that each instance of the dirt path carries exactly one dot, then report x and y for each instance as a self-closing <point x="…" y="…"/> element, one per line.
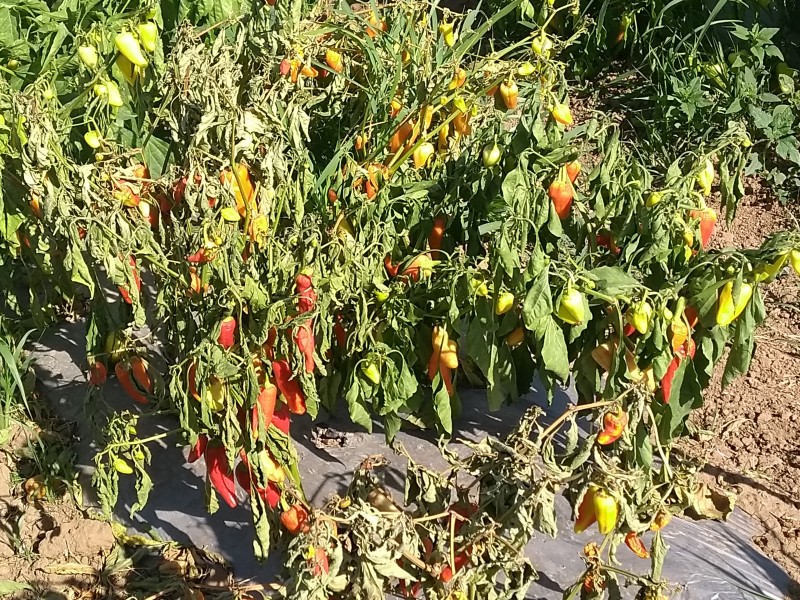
<point x="749" y="431"/>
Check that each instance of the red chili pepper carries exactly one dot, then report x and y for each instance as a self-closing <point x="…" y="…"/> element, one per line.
<point x="269" y="345"/>
<point x="628" y="330"/>
<point x="339" y="332"/>
<point x="289" y="388"/>
<point x="391" y="269"/>
<point x="691" y="316"/>
<point x="295" y="519"/>
<point x="687" y="350"/>
<point x="141" y="376"/>
<point x="123" y="289"/>
<point x="319" y="564"/>
<point x="586" y="513"/>
<point x="265" y="407"/>
<point x="304" y="338"/>
<point x="122" y="370"/>
<point x="199" y="448"/>
<point x="227" y="333"/>
<point x="635" y="543"/>
<point x="219" y="473"/>
<point x="437" y="233"/>
<point x="200" y="257"/>
<point x="708" y="222"/>
<point x="447" y="573"/>
<point x="97" y="373"/>
<point x="305" y="288"/>
<point x="179" y="189"/>
<point x="281" y="417"/>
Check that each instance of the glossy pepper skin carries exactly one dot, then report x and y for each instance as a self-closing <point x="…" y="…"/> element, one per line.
<point x="437" y="232"/>
<point x="264" y="409"/>
<point x="510" y="93"/>
<point x="295" y="519"/>
<point x="505" y="302"/>
<point x="586" y="512"/>
<point x="219" y="473"/>
<point x="706" y="177"/>
<point x="727" y="310"/>
<point x="304" y="339"/>
<point x="794" y="259"/>
<point x="606" y="510"/>
<point x="227" y="333"/>
<point x="129" y="47"/>
<point x="199" y="448"/>
<point x="708" y="222"/>
<point x="570" y="307"/>
<point x="639" y="316"/>
<point x="562" y="114"/>
<point x="560" y="192"/>
<point x="289" y="388"/>
<point x="371" y="371"/>
<point x="614" y="423"/>
<point x="634" y="542"/>
<point x="123" y="373"/>
<point x="686" y="351"/>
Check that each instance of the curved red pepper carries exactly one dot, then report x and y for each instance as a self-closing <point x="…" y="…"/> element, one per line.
<point x="123" y="289"/>
<point x="265" y="406"/>
<point x="304" y="338"/>
<point x="289" y="388"/>
<point x="220" y="474"/>
<point x="308" y="297"/>
<point x="198" y="449"/>
<point x="391" y="268"/>
<point x="687" y="350"/>
<point x="636" y="545"/>
<point x="281" y="417"/>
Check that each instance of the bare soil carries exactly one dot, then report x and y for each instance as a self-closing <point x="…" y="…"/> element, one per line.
<point x="50" y="548"/>
<point x="748" y="432"/>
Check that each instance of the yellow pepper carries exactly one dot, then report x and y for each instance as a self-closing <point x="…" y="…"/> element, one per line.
<point x="727" y="311"/>
<point x="505" y="302"/>
<point x="606" y="510"/>
<point x="570" y="307"/>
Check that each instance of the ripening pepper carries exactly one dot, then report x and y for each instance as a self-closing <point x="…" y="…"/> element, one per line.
<point x="220" y="473"/>
<point x="708" y="222"/>
<point x="114" y="97"/>
<point x="264" y="408"/>
<point x="505" y="302"/>
<point x="458" y="80"/>
<point x="304" y="287"/>
<point x="606" y="511"/>
<point x="422" y="155"/>
<point x="93" y="139"/>
<point x="295" y="519"/>
<point x="586" y="512"/>
<point x="88" y="56"/>
<point x="636" y="545"/>
<point x="123" y="373"/>
<point x="570" y="307"/>
<point x="97" y="373"/>
<point x="241" y="186"/>
<point x="614" y="423"/>
<point x="561" y="193"/>
<point x="639" y="316"/>
<point x="140" y="373"/>
<point x="122" y="466"/>
<point x="448" y="35"/>
<point x="304" y="339"/>
<point x="727" y="311"/>
<point x="148" y="33"/>
<point x="794" y="259"/>
<point x="706" y="177"/>
<point x="509" y="92"/>
<point x="129" y="47"/>
<point x="661" y="520"/>
<point x="491" y="154"/>
<point x="227" y="333"/>
<point x="437" y="232"/>
<point x="542" y="45"/>
<point x="371" y="371"/>
<point x="289" y="388"/>
<point x="573" y="170"/>
<point x="686" y="351"/>
<point x="516" y="337"/>
<point x="562" y="114"/>
<point x="334" y="60"/>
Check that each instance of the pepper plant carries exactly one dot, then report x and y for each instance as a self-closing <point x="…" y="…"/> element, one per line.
<point x="314" y="205"/>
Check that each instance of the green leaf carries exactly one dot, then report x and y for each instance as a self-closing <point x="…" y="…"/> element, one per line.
<point x="10" y="587"/>
<point x="441" y="405"/>
<point x="613" y="280"/>
<point x="80" y="270"/>
<point x="741" y="352"/>
<point x="357" y="406"/>
<point x="553" y="350"/>
<point x="156" y="156"/>
<point x="538" y="305"/>
<point x="686" y="395"/>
